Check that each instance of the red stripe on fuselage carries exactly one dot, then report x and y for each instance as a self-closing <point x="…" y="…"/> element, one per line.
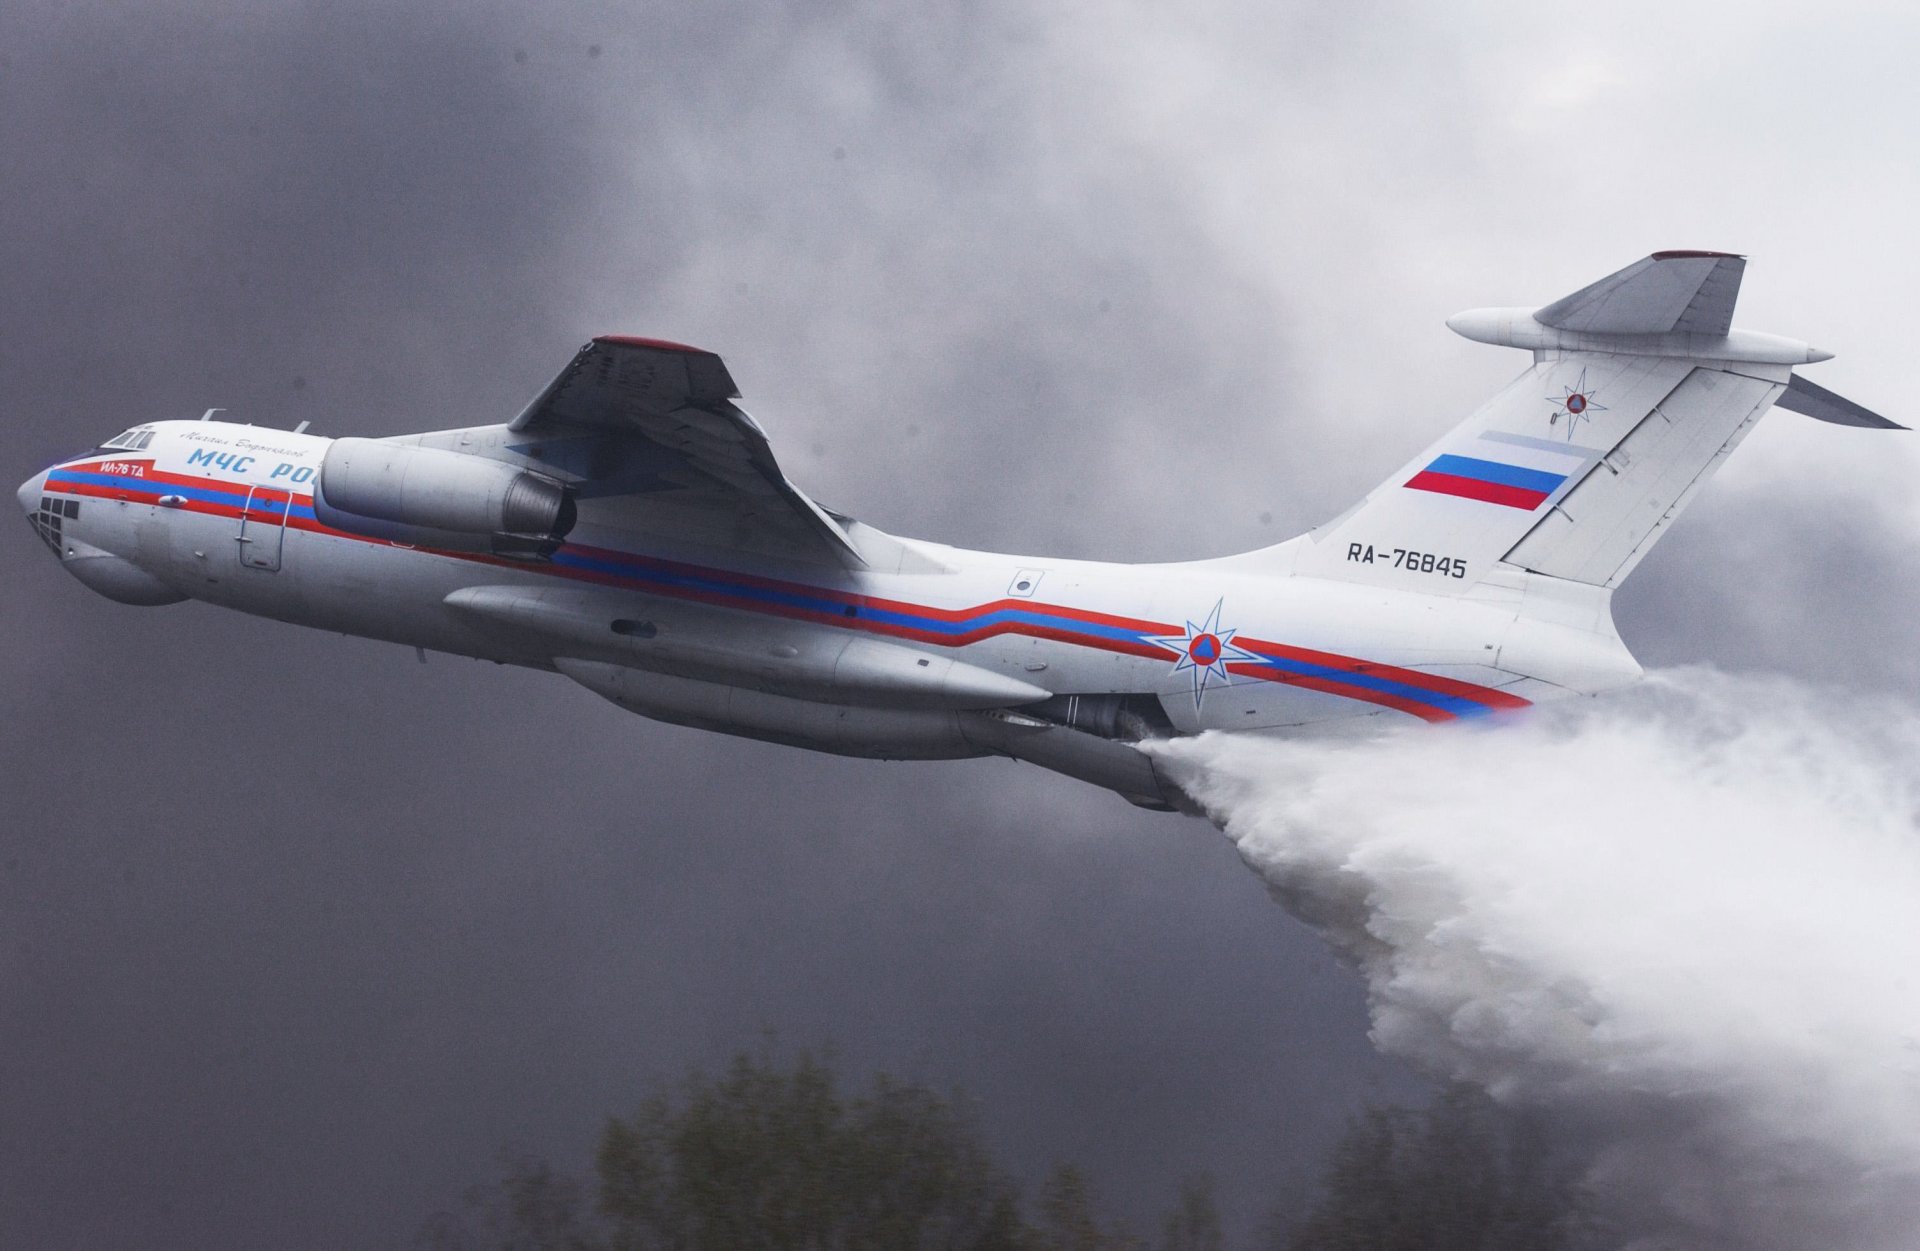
<point x="1333" y="686"/>
<point x="103" y="491"/>
<point x="1490" y="696"/>
<point x="150" y="474"/>
<point x="869" y="603"/>
<point x="1486" y="696"/>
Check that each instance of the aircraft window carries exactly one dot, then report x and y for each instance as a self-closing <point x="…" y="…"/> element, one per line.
<point x="133" y="440"/>
<point x="72" y="509"/>
<point x="46" y="522"/>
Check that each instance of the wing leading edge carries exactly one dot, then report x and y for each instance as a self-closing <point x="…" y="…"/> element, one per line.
<point x="681" y="398"/>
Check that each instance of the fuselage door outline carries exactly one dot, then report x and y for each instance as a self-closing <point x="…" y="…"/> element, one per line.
<point x="263" y="528"/>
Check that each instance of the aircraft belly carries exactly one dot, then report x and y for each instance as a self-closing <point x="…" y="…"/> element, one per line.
<point x="845" y="730"/>
<point x="390" y="593"/>
<point x="375" y="591"/>
<point x="796" y="659"/>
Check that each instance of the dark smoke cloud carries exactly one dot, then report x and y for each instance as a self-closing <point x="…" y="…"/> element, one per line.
<point x="296" y="932"/>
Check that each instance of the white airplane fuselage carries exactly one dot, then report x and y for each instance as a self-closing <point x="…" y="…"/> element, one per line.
<point x="942" y="660"/>
<point x="632" y="530"/>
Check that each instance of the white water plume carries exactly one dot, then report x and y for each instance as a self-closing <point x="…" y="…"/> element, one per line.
<point x="1684" y="920"/>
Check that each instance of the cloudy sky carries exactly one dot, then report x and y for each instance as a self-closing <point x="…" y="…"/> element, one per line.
<point x="296" y="933"/>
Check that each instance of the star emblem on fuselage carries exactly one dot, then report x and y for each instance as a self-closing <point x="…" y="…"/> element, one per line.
<point x="1574" y="407"/>
<point x="1204" y="651"/>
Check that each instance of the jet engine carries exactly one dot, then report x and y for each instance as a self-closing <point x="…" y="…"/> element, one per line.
<point x="430" y="497"/>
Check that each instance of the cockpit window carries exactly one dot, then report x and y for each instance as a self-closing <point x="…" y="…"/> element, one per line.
<point x="132" y="441"/>
<point x="52" y="512"/>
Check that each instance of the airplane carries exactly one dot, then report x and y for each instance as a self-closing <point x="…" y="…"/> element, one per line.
<point x="631" y="530"/>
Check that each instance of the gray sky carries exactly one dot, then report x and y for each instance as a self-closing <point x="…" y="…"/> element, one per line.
<point x="296" y="933"/>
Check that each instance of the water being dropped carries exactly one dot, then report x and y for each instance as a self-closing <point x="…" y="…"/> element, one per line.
<point x="1685" y="919"/>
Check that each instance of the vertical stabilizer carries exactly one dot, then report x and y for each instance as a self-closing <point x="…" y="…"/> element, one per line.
<point x="1639" y="388"/>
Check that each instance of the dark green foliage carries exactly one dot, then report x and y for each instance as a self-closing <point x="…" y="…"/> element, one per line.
<point x="1460" y="1176"/>
<point x="1068" y="1221"/>
<point x="1194" y="1225"/>
<point x="773" y="1157"/>
<point x="531" y="1208"/>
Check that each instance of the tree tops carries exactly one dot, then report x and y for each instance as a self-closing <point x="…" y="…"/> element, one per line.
<point x="773" y="1156"/>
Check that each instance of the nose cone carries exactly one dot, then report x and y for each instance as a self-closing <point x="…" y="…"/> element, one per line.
<point x="29" y="493"/>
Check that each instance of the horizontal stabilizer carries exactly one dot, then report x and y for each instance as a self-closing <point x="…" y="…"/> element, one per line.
<point x="1666" y="293"/>
<point x="1821" y="404"/>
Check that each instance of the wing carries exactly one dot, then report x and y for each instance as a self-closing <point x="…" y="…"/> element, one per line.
<point x="680" y="399"/>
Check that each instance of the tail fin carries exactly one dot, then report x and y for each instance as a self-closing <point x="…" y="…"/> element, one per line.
<point x="1639" y="389"/>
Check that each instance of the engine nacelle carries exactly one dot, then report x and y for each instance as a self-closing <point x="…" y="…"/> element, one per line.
<point x="431" y="497"/>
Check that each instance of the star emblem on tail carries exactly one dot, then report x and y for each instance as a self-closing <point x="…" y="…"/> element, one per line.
<point x="1204" y="651"/>
<point x="1574" y="407"/>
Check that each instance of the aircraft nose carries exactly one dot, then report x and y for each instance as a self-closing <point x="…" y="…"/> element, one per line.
<point x="30" y="491"/>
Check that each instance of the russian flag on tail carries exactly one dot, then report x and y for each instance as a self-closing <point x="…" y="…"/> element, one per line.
<point x="1492" y="474"/>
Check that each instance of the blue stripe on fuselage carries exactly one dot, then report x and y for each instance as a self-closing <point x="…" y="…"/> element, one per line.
<point x="233" y="497"/>
<point x="1454" y="704"/>
<point x="647" y="574"/>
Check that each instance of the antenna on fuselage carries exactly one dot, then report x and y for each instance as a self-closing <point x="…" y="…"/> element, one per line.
<point x="302" y="427"/>
<point x="208" y="415"/>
